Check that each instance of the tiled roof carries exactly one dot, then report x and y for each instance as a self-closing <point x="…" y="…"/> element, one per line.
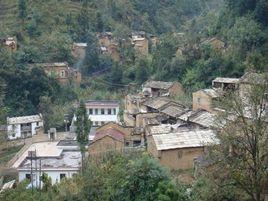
<point x="212" y="92"/>
<point x="114" y="133"/>
<point x="174" y="109"/>
<point x="156" y="103"/>
<point x="102" y="103"/>
<point x="185" y="139"/>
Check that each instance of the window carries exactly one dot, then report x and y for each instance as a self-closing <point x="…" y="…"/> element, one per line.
<point x="90" y="111"/>
<point x="102" y="111"/>
<point x="114" y="111"/>
<point x="62" y="176"/>
<point x="96" y="111"/>
<point x="96" y="123"/>
<point x="62" y="73"/>
<point x="179" y="154"/>
<point x="198" y="100"/>
<point x="102" y="123"/>
<point x="126" y="144"/>
<point x="136" y="143"/>
<point x="28" y="176"/>
<point x="109" y="111"/>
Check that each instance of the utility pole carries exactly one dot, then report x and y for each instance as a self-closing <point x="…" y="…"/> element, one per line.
<point x="32" y="170"/>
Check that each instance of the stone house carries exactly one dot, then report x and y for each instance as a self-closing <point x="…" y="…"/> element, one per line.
<point x="79" y="50"/>
<point x="178" y="149"/>
<point x="62" y="72"/>
<point x="24" y="126"/>
<point x="205" y="99"/>
<point x="160" y="88"/>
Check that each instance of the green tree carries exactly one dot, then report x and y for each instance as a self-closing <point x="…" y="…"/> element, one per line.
<point x="83" y="125"/>
<point x="242" y="157"/>
<point x="22" y="9"/>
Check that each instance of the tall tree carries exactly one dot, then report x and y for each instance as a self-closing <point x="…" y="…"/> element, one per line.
<point x="22" y="9"/>
<point x="83" y="125"/>
<point x="242" y="157"/>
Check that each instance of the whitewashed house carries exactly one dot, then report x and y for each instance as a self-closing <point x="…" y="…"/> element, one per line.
<point x="47" y="157"/>
<point x="24" y="126"/>
<point x="102" y="111"/>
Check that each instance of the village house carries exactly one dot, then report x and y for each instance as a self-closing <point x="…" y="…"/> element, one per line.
<point x="199" y="119"/>
<point x="101" y="112"/>
<point x="206" y="99"/>
<point x="24" y="126"/>
<point x="108" y="45"/>
<point x="112" y="137"/>
<point x="225" y="84"/>
<point x="47" y="157"/>
<point x="160" y="88"/>
<point x="10" y="43"/>
<point x="79" y="50"/>
<point x="177" y="149"/>
<point x="62" y="72"/>
<point x="140" y="42"/>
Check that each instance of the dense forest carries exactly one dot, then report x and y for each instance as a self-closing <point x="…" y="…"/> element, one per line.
<point x="45" y="31"/>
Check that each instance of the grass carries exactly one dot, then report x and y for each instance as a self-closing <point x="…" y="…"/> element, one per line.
<point x="7" y="153"/>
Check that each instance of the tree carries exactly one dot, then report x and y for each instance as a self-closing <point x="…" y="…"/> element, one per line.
<point x="83" y="125"/>
<point x="242" y="158"/>
<point x="22" y="9"/>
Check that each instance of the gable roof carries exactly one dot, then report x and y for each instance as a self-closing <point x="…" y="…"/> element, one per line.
<point x="173" y="109"/>
<point x="185" y="139"/>
<point x="201" y="117"/>
<point x="213" y="93"/>
<point x="156" y="103"/>
<point x="111" y="132"/>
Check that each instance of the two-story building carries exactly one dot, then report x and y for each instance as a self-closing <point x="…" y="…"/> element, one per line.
<point x="62" y="72"/>
<point x="101" y="112"/>
<point x="140" y="42"/>
<point x="24" y="126"/>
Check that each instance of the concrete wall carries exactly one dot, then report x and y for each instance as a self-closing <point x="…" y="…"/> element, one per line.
<point x="202" y="101"/>
<point x="105" y="145"/>
<point x="53" y="174"/>
<point x="14" y="129"/>
<point x="105" y="118"/>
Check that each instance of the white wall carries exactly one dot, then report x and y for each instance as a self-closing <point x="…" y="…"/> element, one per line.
<point x="103" y="117"/>
<point x="53" y="174"/>
<point x="16" y="131"/>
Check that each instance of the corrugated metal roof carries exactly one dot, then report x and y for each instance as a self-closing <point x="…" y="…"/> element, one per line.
<point x="24" y="119"/>
<point x="185" y="139"/>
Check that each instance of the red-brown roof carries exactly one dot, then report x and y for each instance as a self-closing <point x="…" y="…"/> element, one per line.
<point x="114" y="133"/>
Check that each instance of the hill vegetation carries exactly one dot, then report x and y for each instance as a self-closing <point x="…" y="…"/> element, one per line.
<point x="45" y="31"/>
